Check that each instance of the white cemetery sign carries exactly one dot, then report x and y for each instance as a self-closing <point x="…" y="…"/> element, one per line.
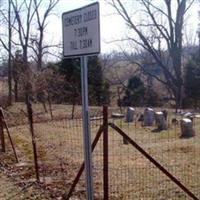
<point x="81" y="31"/>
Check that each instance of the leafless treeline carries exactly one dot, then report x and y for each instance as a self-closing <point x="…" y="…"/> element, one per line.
<point x="24" y="23"/>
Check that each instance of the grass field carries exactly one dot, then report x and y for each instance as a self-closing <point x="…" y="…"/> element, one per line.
<point x="131" y="176"/>
<point x="179" y="156"/>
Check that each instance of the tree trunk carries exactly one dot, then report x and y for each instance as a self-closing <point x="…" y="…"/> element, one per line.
<point x="9" y="56"/>
<point x="40" y="50"/>
<point x="50" y="106"/>
<point x="119" y="99"/>
<point x="73" y="110"/>
<point x="179" y="99"/>
<point x="16" y="90"/>
<point x="44" y="106"/>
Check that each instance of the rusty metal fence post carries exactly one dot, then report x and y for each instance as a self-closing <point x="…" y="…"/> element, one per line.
<point x="153" y="161"/>
<point x="2" y="139"/>
<point x="67" y="196"/>
<point x="105" y="153"/>
<point x="30" y="118"/>
<point x="4" y="125"/>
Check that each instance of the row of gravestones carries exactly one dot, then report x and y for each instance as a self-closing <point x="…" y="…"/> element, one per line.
<point x="160" y="118"/>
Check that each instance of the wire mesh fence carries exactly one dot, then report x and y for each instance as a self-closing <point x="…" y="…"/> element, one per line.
<point x="139" y="178"/>
<point x="60" y="151"/>
<point x="59" y="144"/>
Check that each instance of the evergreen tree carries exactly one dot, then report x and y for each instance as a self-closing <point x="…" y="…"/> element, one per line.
<point x="151" y="98"/>
<point x="135" y="91"/>
<point x="192" y="81"/>
<point x="70" y="68"/>
<point x="98" y="88"/>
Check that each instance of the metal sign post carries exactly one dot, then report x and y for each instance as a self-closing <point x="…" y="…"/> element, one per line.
<point x="86" y="128"/>
<point x="81" y="37"/>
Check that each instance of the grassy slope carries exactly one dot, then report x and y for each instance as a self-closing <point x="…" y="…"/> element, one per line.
<point x="131" y="176"/>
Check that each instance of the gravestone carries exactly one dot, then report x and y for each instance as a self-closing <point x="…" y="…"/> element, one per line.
<point x="160" y="119"/>
<point x="130" y="114"/>
<point x="148" y="117"/>
<point x="189" y="115"/>
<point x="117" y="115"/>
<point x="125" y="141"/>
<point x="187" y="128"/>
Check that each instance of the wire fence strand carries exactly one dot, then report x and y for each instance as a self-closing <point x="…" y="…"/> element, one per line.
<point x="131" y="175"/>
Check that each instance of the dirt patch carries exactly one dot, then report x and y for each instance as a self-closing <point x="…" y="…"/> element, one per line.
<point x="11" y="190"/>
<point x="16" y="181"/>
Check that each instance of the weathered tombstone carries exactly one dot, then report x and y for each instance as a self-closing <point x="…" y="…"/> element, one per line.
<point x="129" y="118"/>
<point x="160" y="119"/>
<point x="189" y="115"/>
<point x="197" y="116"/>
<point x="130" y="114"/>
<point x="117" y="115"/>
<point x="187" y="128"/>
<point x="148" y="117"/>
<point x="125" y="141"/>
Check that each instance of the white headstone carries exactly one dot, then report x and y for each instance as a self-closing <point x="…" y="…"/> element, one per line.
<point x="148" y="117"/>
<point x="160" y="120"/>
<point x="187" y="128"/>
<point x="188" y="114"/>
<point x="130" y="114"/>
<point x="117" y="115"/>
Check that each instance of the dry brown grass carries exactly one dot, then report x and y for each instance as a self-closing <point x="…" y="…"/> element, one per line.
<point x="131" y="176"/>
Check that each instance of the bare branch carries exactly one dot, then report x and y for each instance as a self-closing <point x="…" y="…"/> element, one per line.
<point x="171" y="35"/>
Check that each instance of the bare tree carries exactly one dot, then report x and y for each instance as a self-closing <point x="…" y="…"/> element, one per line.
<point x="17" y="70"/>
<point x="38" y="41"/>
<point x="8" y="20"/>
<point x="163" y="28"/>
<point x="24" y="12"/>
<point x="9" y="55"/>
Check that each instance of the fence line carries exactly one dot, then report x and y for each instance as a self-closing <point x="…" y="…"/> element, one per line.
<point x="151" y="159"/>
<point x="2" y="125"/>
<point x="130" y="176"/>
